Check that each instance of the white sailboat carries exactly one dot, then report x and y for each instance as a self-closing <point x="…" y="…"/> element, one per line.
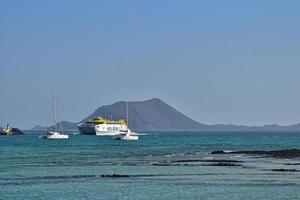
<point x="55" y="134"/>
<point x="128" y="134"/>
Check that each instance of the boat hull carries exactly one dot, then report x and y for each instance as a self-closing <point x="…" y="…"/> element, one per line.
<point x="57" y="137"/>
<point x="106" y="133"/>
<point x="100" y="129"/>
<point x="86" y="129"/>
<point x="126" y="135"/>
<point x="130" y="137"/>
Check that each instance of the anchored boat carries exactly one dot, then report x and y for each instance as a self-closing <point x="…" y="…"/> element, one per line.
<point x="128" y="134"/>
<point x="55" y="134"/>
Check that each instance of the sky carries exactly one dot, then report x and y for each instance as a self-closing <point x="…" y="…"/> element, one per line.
<point x="230" y="62"/>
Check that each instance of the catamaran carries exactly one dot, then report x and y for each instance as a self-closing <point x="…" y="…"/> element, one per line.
<point x="55" y="134"/>
<point x="102" y="127"/>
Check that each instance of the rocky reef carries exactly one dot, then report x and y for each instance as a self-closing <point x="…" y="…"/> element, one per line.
<point x="285" y="153"/>
<point x="10" y="131"/>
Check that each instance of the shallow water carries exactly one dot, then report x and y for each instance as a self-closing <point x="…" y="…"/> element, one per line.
<point x="156" y="165"/>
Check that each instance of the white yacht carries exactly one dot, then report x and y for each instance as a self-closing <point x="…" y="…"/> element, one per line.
<point x="128" y="134"/>
<point x="55" y="134"/>
<point x="130" y="137"/>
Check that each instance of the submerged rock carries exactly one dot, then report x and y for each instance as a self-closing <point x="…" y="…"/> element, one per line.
<point x="199" y="160"/>
<point x="285" y="153"/>
<point x="292" y="164"/>
<point x="114" y="176"/>
<point x="228" y="164"/>
<point x="284" y="170"/>
<point x="10" y="131"/>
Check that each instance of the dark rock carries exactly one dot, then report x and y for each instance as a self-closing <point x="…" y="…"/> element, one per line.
<point x="196" y="162"/>
<point x="199" y="160"/>
<point x="10" y="131"/>
<point x="219" y="152"/>
<point x="286" y="153"/>
<point x="219" y="164"/>
<point x="284" y="170"/>
<point x="114" y="176"/>
<point x="292" y="163"/>
<point x="185" y="161"/>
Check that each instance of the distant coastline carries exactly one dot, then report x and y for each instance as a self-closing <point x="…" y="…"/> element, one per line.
<point x="156" y="115"/>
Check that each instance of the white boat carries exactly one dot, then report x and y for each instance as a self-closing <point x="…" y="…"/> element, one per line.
<point x="130" y="137"/>
<point x="55" y="134"/>
<point x="128" y="134"/>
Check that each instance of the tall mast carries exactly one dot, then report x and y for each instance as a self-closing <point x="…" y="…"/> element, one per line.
<point x="127" y="114"/>
<point x="55" y="117"/>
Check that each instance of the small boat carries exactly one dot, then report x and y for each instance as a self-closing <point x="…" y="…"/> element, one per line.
<point x="55" y="134"/>
<point x="128" y="134"/>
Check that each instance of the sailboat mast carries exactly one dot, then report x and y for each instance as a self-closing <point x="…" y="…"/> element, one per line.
<point x="127" y="120"/>
<point x="55" y="115"/>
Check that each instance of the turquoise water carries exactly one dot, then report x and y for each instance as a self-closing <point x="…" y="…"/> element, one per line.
<point x="33" y="168"/>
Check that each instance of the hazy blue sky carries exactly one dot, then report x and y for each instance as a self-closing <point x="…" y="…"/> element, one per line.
<point x="216" y="61"/>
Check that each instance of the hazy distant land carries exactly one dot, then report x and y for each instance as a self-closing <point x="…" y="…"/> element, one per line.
<point x="156" y="115"/>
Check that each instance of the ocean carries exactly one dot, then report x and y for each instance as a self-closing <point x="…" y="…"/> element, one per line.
<point x="163" y="166"/>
